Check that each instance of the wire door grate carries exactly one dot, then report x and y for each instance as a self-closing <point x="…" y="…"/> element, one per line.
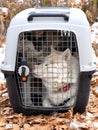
<point x="52" y="59"/>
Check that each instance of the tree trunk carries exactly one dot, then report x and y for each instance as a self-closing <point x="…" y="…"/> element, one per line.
<point x="95" y="7"/>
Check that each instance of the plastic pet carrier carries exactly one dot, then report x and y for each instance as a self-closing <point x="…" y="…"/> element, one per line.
<point x="48" y="60"/>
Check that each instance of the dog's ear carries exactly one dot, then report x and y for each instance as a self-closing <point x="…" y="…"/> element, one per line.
<point x="67" y="54"/>
<point x="54" y="51"/>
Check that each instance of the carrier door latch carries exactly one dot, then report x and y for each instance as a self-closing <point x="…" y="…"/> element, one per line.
<point x="24" y="71"/>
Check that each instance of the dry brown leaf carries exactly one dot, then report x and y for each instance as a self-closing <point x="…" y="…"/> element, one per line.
<point x="95" y="91"/>
<point x="16" y="119"/>
<point x="15" y="127"/>
<point x="2" y="128"/>
<point x="0" y="96"/>
<point x="2" y="124"/>
<point x="69" y="114"/>
<point x="38" y="127"/>
<point x="26" y="127"/>
<point x="2" y="86"/>
<point x="45" y="2"/>
<point x="93" y="110"/>
<point x="80" y="117"/>
<point x="61" y="127"/>
<point x="60" y="121"/>
<point x="95" y="47"/>
<point x="96" y="81"/>
<point x="6" y="111"/>
<point x="53" y="2"/>
<point x="4" y="101"/>
<point x="2" y="24"/>
<point x="89" y="15"/>
<point x="45" y="127"/>
<point x="93" y="81"/>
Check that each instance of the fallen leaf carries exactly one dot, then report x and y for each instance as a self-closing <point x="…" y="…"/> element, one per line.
<point x="26" y="127"/>
<point x="2" y="124"/>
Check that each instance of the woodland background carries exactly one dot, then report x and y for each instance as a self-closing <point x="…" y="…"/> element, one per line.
<point x="90" y="7"/>
<point x="57" y="121"/>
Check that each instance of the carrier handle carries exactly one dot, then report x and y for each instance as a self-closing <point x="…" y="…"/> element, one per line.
<point x="30" y="17"/>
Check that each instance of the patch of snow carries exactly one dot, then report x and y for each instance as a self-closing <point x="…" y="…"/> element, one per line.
<point x="2" y="55"/>
<point x="79" y="1"/>
<point x="4" y="9"/>
<point x="9" y="126"/>
<point x="94" y="58"/>
<point x="94" y="32"/>
<point x="5" y="94"/>
<point x="74" y="125"/>
<point x="94" y="39"/>
<point x="96" y="124"/>
<point x="21" y="1"/>
<point x="89" y="114"/>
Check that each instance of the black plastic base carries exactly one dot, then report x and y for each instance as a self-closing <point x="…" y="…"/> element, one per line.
<point x="18" y="107"/>
<point x="83" y="91"/>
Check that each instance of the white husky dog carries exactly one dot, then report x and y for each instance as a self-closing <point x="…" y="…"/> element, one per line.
<point x="59" y="74"/>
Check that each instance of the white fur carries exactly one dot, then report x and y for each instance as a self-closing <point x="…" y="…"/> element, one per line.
<point x="58" y="69"/>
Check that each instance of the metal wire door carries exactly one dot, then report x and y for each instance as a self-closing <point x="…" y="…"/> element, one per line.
<point x="45" y="53"/>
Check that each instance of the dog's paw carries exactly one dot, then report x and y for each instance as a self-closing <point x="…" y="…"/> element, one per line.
<point x="46" y="103"/>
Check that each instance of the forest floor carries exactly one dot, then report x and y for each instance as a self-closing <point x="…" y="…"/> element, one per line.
<point x="58" y="121"/>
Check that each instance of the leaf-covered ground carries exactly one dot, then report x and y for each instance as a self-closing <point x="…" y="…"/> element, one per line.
<point x="58" y="121"/>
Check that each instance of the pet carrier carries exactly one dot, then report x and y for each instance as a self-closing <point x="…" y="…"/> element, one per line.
<point x="48" y="60"/>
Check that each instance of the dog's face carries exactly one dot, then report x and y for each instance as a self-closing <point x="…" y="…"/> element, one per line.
<point x="55" y="68"/>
